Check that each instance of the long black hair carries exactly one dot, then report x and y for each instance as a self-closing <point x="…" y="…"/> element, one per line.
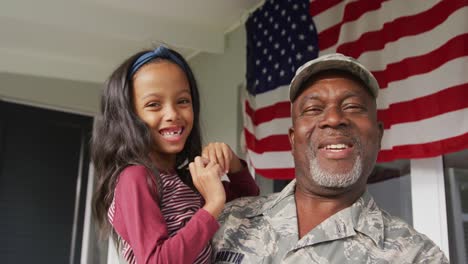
<point x="121" y="138"/>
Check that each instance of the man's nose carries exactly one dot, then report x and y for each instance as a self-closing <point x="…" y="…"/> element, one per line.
<point x="333" y="117"/>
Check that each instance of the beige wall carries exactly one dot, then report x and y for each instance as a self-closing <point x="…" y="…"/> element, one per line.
<point x="219" y="78"/>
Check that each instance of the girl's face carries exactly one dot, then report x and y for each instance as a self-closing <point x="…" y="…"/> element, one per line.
<point x="161" y="97"/>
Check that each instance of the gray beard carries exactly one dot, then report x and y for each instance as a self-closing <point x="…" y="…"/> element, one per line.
<point x="335" y="180"/>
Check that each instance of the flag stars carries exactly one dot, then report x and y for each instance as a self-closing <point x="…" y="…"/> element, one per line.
<point x="283" y="12"/>
<point x="298" y="56"/>
<point x="270" y="57"/>
<point x="283" y="32"/>
<point x="301" y="37"/>
<point x="276" y="65"/>
<point x="265" y="51"/>
<point x="303" y="17"/>
<point x="276" y="7"/>
<point x="269" y="78"/>
<point x="265" y="32"/>
<point x="260" y="25"/>
<point x="276" y="45"/>
<point x="295" y="6"/>
<point x="259" y="44"/>
<point x="281" y="73"/>
<point x="283" y="51"/>
<point x="293" y="26"/>
<point x="276" y="26"/>
<point x="264" y="70"/>
<point x="257" y="62"/>
<point x="311" y="28"/>
<point x="310" y="48"/>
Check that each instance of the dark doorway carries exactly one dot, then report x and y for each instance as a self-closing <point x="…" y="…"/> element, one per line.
<point x="43" y="176"/>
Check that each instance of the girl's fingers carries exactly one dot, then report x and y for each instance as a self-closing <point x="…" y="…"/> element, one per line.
<point x="220" y="155"/>
<point x="192" y="169"/>
<point x="227" y="158"/>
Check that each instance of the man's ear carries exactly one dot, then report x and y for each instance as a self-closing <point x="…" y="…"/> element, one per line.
<point x="291" y="137"/>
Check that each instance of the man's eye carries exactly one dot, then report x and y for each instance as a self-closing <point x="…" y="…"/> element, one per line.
<point x="312" y="110"/>
<point x="353" y="108"/>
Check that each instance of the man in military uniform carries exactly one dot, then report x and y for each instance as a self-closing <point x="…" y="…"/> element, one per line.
<point x="326" y="214"/>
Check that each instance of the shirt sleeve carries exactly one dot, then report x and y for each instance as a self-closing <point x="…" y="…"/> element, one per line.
<point x="139" y="221"/>
<point x="240" y="184"/>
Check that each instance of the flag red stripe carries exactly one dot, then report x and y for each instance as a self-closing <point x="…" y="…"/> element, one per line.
<point x="353" y="11"/>
<point x="418" y="109"/>
<point x="278" y="110"/>
<point x="452" y="99"/>
<point x="271" y="143"/>
<point x="414" y="110"/>
<point x="396" y="113"/>
<point x="427" y="150"/>
<point x="317" y="7"/>
<point x="454" y="48"/>
<point x="277" y="173"/>
<point x="401" y="27"/>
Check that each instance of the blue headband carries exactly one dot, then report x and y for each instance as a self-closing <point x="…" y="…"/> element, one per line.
<point x="160" y="52"/>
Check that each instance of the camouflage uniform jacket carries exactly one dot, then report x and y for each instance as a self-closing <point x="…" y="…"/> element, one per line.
<point x="264" y="230"/>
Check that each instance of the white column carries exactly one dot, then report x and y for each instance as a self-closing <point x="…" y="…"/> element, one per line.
<point x="88" y="241"/>
<point x="428" y="200"/>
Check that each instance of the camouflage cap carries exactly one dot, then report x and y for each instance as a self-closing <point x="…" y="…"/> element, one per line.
<point x="329" y="62"/>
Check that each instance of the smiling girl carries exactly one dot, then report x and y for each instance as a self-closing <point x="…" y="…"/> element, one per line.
<point x="158" y="193"/>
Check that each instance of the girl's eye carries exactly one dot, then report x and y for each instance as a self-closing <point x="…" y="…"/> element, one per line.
<point x="184" y="101"/>
<point x="153" y="104"/>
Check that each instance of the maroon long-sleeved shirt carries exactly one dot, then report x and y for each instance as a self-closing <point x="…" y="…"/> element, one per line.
<point x="176" y="231"/>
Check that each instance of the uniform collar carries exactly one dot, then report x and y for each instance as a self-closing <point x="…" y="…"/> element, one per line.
<point x="269" y="205"/>
<point x="363" y="216"/>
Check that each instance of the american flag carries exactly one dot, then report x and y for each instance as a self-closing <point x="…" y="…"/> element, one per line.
<point x="417" y="50"/>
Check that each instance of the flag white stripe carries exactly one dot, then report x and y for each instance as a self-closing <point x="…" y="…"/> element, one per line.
<point x="440" y="127"/>
<point x="450" y="74"/>
<point x="272" y="160"/>
<point x="416" y="45"/>
<point x="328" y="18"/>
<point x="353" y="30"/>
<point x="270" y="128"/>
<point x="457" y="121"/>
<point x="269" y="98"/>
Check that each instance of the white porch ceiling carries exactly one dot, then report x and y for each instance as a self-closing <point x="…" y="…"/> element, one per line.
<point x="86" y="39"/>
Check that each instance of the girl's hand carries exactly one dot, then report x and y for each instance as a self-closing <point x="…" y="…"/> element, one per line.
<point x="206" y="176"/>
<point x="222" y="154"/>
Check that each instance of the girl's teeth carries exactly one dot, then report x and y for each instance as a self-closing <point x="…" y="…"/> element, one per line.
<point x="171" y="133"/>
